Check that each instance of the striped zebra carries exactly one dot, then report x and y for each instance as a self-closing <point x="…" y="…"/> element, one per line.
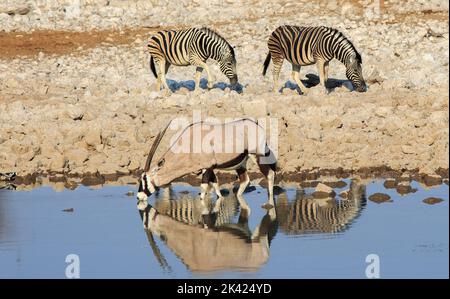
<point x="188" y="209"/>
<point x="191" y="46"/>
<point x="307" y="215"/>
<point x="303" y="46"/>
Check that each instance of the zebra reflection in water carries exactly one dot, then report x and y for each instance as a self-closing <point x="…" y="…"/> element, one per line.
<point x="306" y="215"/>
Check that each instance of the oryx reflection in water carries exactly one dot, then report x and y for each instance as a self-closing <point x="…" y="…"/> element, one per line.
<point x="208" y="242"/>
<point x="217" y="241"/>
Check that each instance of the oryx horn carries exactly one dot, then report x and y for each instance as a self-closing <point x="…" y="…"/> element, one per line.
<point x="154" y="147"/>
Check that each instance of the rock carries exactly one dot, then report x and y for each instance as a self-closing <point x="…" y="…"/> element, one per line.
<point x="75" y="112"/>
<point x="408" y="149"/>
<point x="323" y="191"/>
<point x="15" y="10"/>
<point x="380" y="197"/>
<point x="58" y="162"/>
<point x="432" y="200"/>
<point x="432" y="180"/>
<point x="405" y="188"/>
<point x="390" y="184"/>
<point x="73" y="10"/>
<point x="76" y="157"/>
<point x="129" y="193"/>
<point x="338" y="184"/>
<point x="247" y="190"/>
<point x="93" y="136"/>
<point x="344" y="194"/>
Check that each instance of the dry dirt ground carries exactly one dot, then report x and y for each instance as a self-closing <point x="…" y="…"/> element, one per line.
<point x="77" y="97"/>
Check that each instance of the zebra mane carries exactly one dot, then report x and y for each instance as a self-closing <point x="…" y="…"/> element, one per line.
<point x="358" y="56"/>
<point x="213" y="34"/>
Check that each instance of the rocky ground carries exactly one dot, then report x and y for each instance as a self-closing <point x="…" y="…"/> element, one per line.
<point x="77" y="96"/>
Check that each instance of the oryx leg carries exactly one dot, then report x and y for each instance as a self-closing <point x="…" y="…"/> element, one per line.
<point x="277" y="64"/>
<point x="196" y="61"/>
<point x="215" y="183"/>
<point x="296" y="78"/>
<point x="244" y="180"/>
<point x="205" y="186"/>
<point x="268" y="170"/>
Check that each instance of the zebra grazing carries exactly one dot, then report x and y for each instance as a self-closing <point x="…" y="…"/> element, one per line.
<point x="191" y="47"/>
<point x="313" y="45"/>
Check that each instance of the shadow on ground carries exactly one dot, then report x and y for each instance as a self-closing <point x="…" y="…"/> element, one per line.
<point x="314" y="80"/>
<point x="190" y="85"/>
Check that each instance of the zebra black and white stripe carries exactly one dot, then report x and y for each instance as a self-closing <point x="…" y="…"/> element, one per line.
<point x="188" y="209"/>
<point x="191" y="46"/>
<point x="303" y="46"/>
<point x="306" y="215"/>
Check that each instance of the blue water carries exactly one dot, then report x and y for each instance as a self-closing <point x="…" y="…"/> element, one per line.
<point x="106" y="232"/>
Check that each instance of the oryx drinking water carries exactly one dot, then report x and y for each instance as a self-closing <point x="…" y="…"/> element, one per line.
<point x="204" y="147"/>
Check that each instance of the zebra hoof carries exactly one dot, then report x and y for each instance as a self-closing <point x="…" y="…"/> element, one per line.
<point x="167" y="93"/>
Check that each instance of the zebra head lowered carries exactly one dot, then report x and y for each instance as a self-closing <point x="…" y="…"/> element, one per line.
<point x="221" y="51"/>
<point x="227" y="65"/>
<point x="354" y="72"/>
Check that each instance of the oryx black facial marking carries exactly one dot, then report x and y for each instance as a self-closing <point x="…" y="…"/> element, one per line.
<point x="143" y="185"/>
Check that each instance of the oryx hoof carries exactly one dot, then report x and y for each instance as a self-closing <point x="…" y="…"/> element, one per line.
<point x="267" y="206"/>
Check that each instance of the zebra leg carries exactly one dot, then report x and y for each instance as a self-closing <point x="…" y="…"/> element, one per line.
<point x="167" y="66"/>
<point x="194" y="60"/>
<point x="325" y="72"/>
<point x="277" y="64"/>
<point x="198" y="73"/>
<point x="210" y="78"/>
<point x="296" y="78"/>
<point x="158" y="77"/>
<point x="162" y="76"/>
<point x="321" y="70"/>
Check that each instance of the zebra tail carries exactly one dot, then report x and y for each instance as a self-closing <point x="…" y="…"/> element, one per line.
<point x="266" y="63"/>
<point x="152" y="67"/>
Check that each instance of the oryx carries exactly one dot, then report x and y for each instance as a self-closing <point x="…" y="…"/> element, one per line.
<point x="209" y="147"/>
